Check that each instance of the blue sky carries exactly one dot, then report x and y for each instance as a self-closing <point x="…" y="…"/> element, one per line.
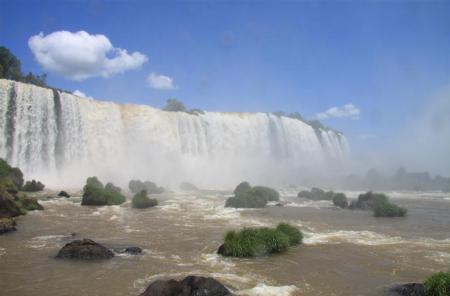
<point x="387" y="58"/>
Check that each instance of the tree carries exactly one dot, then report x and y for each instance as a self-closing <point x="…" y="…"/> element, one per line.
<point x="174" y="105"/>
<point x="10" y="67"/>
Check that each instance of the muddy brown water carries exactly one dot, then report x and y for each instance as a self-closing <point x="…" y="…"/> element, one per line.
<point x="344" y="252"/>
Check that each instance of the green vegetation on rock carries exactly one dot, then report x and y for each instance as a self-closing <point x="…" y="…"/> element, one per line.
<point x="294" y="234"/>
<point x="10" y="177"/>
<point x="137" y="186"/>
<point x="95" y="194"/>
<point x="142" y="201"/>
<point x="33" y="186"/>
<point x="246" y="196"/>
<point x="254" y="242"/>
<point x="438" y="284"/>
<point x="379" y="203"/>
<point x="340" y="200"/>
<point x="316" y="194"/>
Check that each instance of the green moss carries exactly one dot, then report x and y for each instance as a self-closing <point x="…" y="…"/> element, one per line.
<point x="95" y="194"/>
<point x="438" y="284"/>
<point x="340" y="200"/>
<point x="254" y="242"/>
<point x="142" y="201"/>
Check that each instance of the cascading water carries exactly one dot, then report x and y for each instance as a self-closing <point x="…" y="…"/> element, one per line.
<point x="61" y="139"/>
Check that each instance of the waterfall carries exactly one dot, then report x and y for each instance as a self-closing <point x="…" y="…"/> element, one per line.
<point x="61" y="139"/>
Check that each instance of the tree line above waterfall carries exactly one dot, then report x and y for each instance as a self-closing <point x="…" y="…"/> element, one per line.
<point x="11" y="68"/>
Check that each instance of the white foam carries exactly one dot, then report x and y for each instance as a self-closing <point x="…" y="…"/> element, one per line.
<point x="215" y="260"/>
<point x="364" y="237"/>
<point x="43" y="241"/>
<point x="317" y="204"/>
<point x="440" y="257"/>
<point x="266" y="290"/>
<point x="2" y="251"/>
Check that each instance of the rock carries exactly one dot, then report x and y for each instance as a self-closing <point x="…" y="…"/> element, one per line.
<point x="221" y="250"/>
<point x="85" y="249"/>
<point x="186" y="186"/>
<point x="189" y="286"/>
<point x="410" y="289"/>
<point x="130" y="250"/>
<point x="8" y="205"/>
<point x="7" y="225"/>
<point x="63" y="194"/>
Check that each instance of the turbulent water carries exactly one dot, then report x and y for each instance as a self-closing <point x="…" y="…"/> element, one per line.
<point x="345" y="253"/>
<point x="61" y="139"/>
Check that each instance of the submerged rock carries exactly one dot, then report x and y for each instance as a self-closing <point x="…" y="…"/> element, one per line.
<point x="63" y="194"/>
<point x="129" y="250"/>
<point x="85" y="249"/>
<point x="189" y="286"/>
<point x="7" y="225"/>
<point x="410" y="289"/>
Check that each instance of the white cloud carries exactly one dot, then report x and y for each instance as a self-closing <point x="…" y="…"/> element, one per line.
<point x="79" y="93"/>
<point x="348" y="110"/>
<point x="80" y="55"/>
<point x="158" y="81"/>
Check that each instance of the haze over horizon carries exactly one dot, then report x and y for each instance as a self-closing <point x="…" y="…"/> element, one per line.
<point x="378" y="71"/>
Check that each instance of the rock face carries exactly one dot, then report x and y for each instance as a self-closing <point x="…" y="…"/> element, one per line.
<point x="189" y="286"/>
<point x="411" y="289"/>
<point x="7" y="225"/>
<point x="85" y="249"/>
<point x="63" y="194"/>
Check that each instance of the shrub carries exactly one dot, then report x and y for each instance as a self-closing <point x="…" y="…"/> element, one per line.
<point x="294" y="234"/>
<point x="246" y="196"/>
<point x="438" y="284"/>
<point x="340" y="200"/>
<point x="96" y="195"/>
<point x="249" y="199"/>
<point x="242" y="188"/>
<point x="387" y="209"/>
<point x="267" y="193"/>
<point x="142" y="201"/>
<point x="137" y="186"/>
<point x="33" y="186"/>
<point x="316" y="194"/>
<point x="173" y="105"/>
<point x="253" y="242"/>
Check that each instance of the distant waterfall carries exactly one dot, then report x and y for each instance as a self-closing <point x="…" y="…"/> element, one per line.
<point x="61" y="139"/>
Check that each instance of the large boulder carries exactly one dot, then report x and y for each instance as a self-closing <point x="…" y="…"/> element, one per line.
<point x="7" y="225"/>
<point x="189" y="286"/>
<point x="85" y="249"/>
<point x="410" y="289"/>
